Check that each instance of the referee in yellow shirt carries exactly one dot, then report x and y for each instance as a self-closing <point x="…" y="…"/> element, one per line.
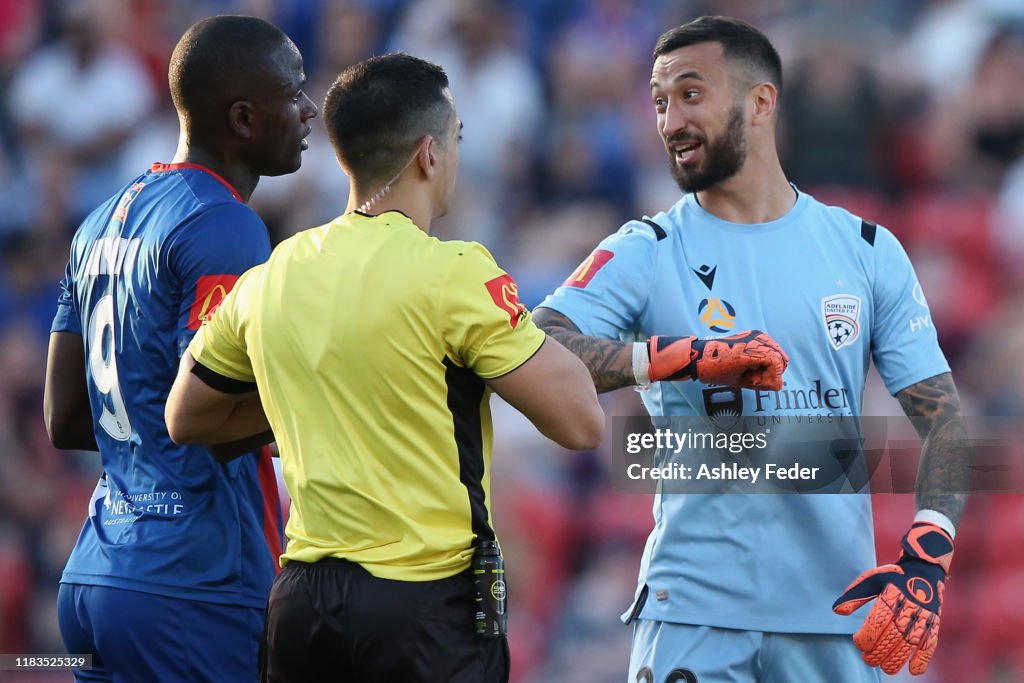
<point x="374" y="348"/>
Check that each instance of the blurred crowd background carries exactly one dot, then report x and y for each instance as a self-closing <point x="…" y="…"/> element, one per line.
<point x="908" y="113"/>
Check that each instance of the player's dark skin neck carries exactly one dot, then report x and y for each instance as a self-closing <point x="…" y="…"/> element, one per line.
<point x="237" y="173"/>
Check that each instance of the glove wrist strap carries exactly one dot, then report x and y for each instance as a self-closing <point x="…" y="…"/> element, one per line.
<point x="672" y="358"/>
<point x="928" y="542"/>
<point x="642" y="365"/>
<point x="938" y="519"/>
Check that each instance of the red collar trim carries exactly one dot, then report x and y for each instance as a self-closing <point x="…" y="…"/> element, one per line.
<point x="159" y="168"/>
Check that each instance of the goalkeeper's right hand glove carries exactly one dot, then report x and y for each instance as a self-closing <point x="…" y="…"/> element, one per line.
<point x="750" y="360"/>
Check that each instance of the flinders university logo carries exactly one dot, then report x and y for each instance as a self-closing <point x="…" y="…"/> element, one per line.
<point x="841" y="313"/>
<point x="724" y="406"/>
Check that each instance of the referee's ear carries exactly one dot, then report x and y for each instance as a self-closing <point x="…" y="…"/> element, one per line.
<point x="427" y="156"/>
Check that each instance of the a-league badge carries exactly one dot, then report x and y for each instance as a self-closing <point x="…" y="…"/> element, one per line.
<point x="841" y="313"/>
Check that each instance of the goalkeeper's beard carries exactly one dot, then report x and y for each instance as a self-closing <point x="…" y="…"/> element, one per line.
<point x="724" y="157"/>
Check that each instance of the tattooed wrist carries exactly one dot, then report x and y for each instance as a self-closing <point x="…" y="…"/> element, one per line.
<point x="944" y="475"/>
<point x="610" y="362"/>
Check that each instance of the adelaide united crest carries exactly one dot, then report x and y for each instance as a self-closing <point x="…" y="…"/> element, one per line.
<point x="841" y="314"/>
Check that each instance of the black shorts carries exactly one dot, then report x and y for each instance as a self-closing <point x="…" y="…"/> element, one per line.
<point x="334" y="621"/>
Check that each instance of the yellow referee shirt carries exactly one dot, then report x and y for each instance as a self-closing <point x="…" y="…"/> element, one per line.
<point x="368" y="340"/>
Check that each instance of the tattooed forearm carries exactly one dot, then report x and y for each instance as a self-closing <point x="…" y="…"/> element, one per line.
<point x="944" y="475"/>
<point x="610" y="362"/>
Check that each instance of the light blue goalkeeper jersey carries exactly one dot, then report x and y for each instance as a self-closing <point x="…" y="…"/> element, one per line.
<point x="835" y="292"/>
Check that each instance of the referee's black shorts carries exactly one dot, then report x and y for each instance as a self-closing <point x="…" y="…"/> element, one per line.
<point x="334" y="621"/>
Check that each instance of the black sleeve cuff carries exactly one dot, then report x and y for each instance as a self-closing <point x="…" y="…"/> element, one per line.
<point x="223" y="384"/>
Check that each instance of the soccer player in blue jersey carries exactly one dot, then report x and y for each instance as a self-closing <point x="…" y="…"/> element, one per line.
<point x="741" y="587"/>
<point x="169" y="578"/>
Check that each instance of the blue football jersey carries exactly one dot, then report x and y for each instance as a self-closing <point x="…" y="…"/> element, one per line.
<point x="145" y="269"/>
<point x="835" y="292"/>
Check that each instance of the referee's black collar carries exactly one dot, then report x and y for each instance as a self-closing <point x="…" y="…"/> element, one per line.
<point x="368" y="215"/>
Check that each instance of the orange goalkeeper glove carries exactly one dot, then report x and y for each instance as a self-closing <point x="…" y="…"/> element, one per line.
<point x="904" y="623"/>
<point x="751" y="360"/>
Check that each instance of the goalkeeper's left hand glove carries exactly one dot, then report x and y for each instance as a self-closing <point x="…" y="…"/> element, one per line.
<point x="750" y="359"/>
<point x="904" y="623"/>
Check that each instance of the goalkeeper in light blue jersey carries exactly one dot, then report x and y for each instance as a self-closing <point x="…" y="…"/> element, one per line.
<point x="744" y="587"/>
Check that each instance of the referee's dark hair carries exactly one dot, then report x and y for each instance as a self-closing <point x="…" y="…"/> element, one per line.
<point x="215" y="58"/>
<point x="741" y="42"/>
<point x="376" y="110"/>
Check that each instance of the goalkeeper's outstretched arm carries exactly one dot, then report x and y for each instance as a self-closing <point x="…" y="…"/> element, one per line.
<point x="610" y="362"/>
<point x="749" y="359"/>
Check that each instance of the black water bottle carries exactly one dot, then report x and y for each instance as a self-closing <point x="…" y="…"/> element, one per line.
<point x="489" y="574"/>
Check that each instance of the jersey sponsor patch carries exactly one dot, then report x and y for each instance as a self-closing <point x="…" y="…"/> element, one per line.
<point x="505" y="293"/>
<point x="210" y="291"/>
<point x="724" y="406"/>
<point x="841" y="313"/>
<point x="586" y="271"/>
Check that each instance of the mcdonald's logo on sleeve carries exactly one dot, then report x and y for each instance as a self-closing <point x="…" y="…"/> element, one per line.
<point x="586" y="271"/>
<point x="210" y="291"/>
<point x="505" y="293"/>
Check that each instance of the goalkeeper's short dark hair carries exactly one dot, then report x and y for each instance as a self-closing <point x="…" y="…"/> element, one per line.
<point x="741" y="42"/>
<point x="376" y="110"/>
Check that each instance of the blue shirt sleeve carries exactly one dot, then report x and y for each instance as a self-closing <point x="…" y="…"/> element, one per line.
<point x="67" y="318"/>
<point x="606" y="294"/>
<point x="207" y="255"/>
<point x="904" y="343"/>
